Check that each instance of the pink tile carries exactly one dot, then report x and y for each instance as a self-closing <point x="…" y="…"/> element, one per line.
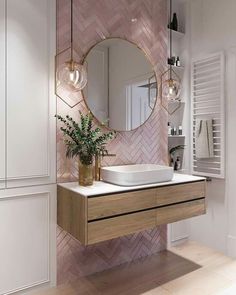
<point x="95" y="19"/>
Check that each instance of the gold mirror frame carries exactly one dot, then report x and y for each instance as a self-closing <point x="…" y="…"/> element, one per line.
<point x="154" y="75"/>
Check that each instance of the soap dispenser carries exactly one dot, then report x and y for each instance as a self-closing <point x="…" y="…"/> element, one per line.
<point x="177" y="165"/>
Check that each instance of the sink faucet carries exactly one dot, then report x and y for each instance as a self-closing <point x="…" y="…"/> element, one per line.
<point x="97" y="168"/>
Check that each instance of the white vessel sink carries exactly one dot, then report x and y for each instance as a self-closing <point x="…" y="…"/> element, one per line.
<point x="138" y="174"/>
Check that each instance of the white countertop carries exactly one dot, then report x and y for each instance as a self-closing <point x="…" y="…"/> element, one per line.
<point x="103" y="188"/>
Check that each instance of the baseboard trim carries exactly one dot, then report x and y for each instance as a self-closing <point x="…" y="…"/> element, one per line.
<point x="179" y="241"/>
<point x="231" y="246"/>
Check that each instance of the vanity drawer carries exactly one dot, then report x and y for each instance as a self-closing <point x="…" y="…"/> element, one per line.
<point x="179" y="193"/>
<point x="114" y="227"/>
<point x="110" y="205"/>
<point x="173" y="213"/>
<point x="110" y="228"/>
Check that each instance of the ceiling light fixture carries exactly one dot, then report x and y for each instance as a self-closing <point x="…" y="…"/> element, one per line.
<point x="71" y="75"/>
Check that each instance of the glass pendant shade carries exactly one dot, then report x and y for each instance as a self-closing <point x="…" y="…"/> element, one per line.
<point x="72" y="76"/>
<point x="171" y="89"/>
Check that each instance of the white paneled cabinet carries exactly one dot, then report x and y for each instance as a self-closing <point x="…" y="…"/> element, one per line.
<point x="30" y="44"/>
<point x="27" y="145"/>
<point x="27" y="230"/>
<point x="2" y="94"/>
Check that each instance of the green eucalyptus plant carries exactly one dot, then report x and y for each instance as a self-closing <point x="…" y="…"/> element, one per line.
<point x="176" y="148"/>
<point x="82" y="139"/>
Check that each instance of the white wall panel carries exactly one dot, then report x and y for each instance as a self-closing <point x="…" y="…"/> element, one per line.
<point x="2" y="94"/>
<point x="30" y="99"/>
<point x="230" y="151"/>
<point x="26" y="219"/>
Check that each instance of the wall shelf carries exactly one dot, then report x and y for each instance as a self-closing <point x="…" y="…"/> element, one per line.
<point x="176" y="102"/>
<point x="176" y="35"/>
<point x="176" y="67"/>
<point x="176" y="136"/>
<point x="178" y="70"/>
<point x="181" y="171"/>
<point x="181" y="68"/>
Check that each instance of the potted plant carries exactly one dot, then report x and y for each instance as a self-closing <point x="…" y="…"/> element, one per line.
<point x="84" y="141"/>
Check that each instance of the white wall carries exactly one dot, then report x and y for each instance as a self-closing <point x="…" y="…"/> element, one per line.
<point x="2" y="94"/>
<point x="213" y="28"/>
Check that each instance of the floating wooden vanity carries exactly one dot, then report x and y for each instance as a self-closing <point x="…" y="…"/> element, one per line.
<point x="105" y="211"/>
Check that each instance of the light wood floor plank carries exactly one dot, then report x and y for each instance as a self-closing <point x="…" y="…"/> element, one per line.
<point x="186" y="269"/>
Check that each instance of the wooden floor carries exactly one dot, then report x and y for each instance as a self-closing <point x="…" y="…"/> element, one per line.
<point x="189" y="269"/>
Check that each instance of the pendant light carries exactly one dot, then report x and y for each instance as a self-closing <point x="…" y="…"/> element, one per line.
<point x="170" y="81"/>
<point x="171" y="88"/>
<point x="71" y="75"/>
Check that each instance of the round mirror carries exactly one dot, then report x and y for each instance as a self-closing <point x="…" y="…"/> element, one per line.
<point x="122" y="88"/>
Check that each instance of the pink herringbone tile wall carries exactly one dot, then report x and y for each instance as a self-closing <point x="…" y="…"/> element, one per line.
<point x="95" y="20"/>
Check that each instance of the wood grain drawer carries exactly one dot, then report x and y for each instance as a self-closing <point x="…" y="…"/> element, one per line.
<point x="111" y="205"/>
<point x="173" y="213"/>
<point x="179" y="193"/>
<point x="120" y="226"/>
<point x="114" y="227"/>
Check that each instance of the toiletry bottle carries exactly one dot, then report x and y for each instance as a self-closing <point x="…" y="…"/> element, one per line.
<point x="169" y="128"/>
<point x="180" y="130"/>
<point x="174" y="23"/>
<point x="178" y="163"/>
<point x="177" y="62"/>
<point x="175" y="131"/>
<point x="172" y="131"/>
<point x="175" y="166"/>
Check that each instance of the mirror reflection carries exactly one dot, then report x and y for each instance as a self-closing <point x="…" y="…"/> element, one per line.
<point x="122" y="87"/>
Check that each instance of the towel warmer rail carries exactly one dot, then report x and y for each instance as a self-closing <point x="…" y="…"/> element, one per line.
<point x="207" y="102"/>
